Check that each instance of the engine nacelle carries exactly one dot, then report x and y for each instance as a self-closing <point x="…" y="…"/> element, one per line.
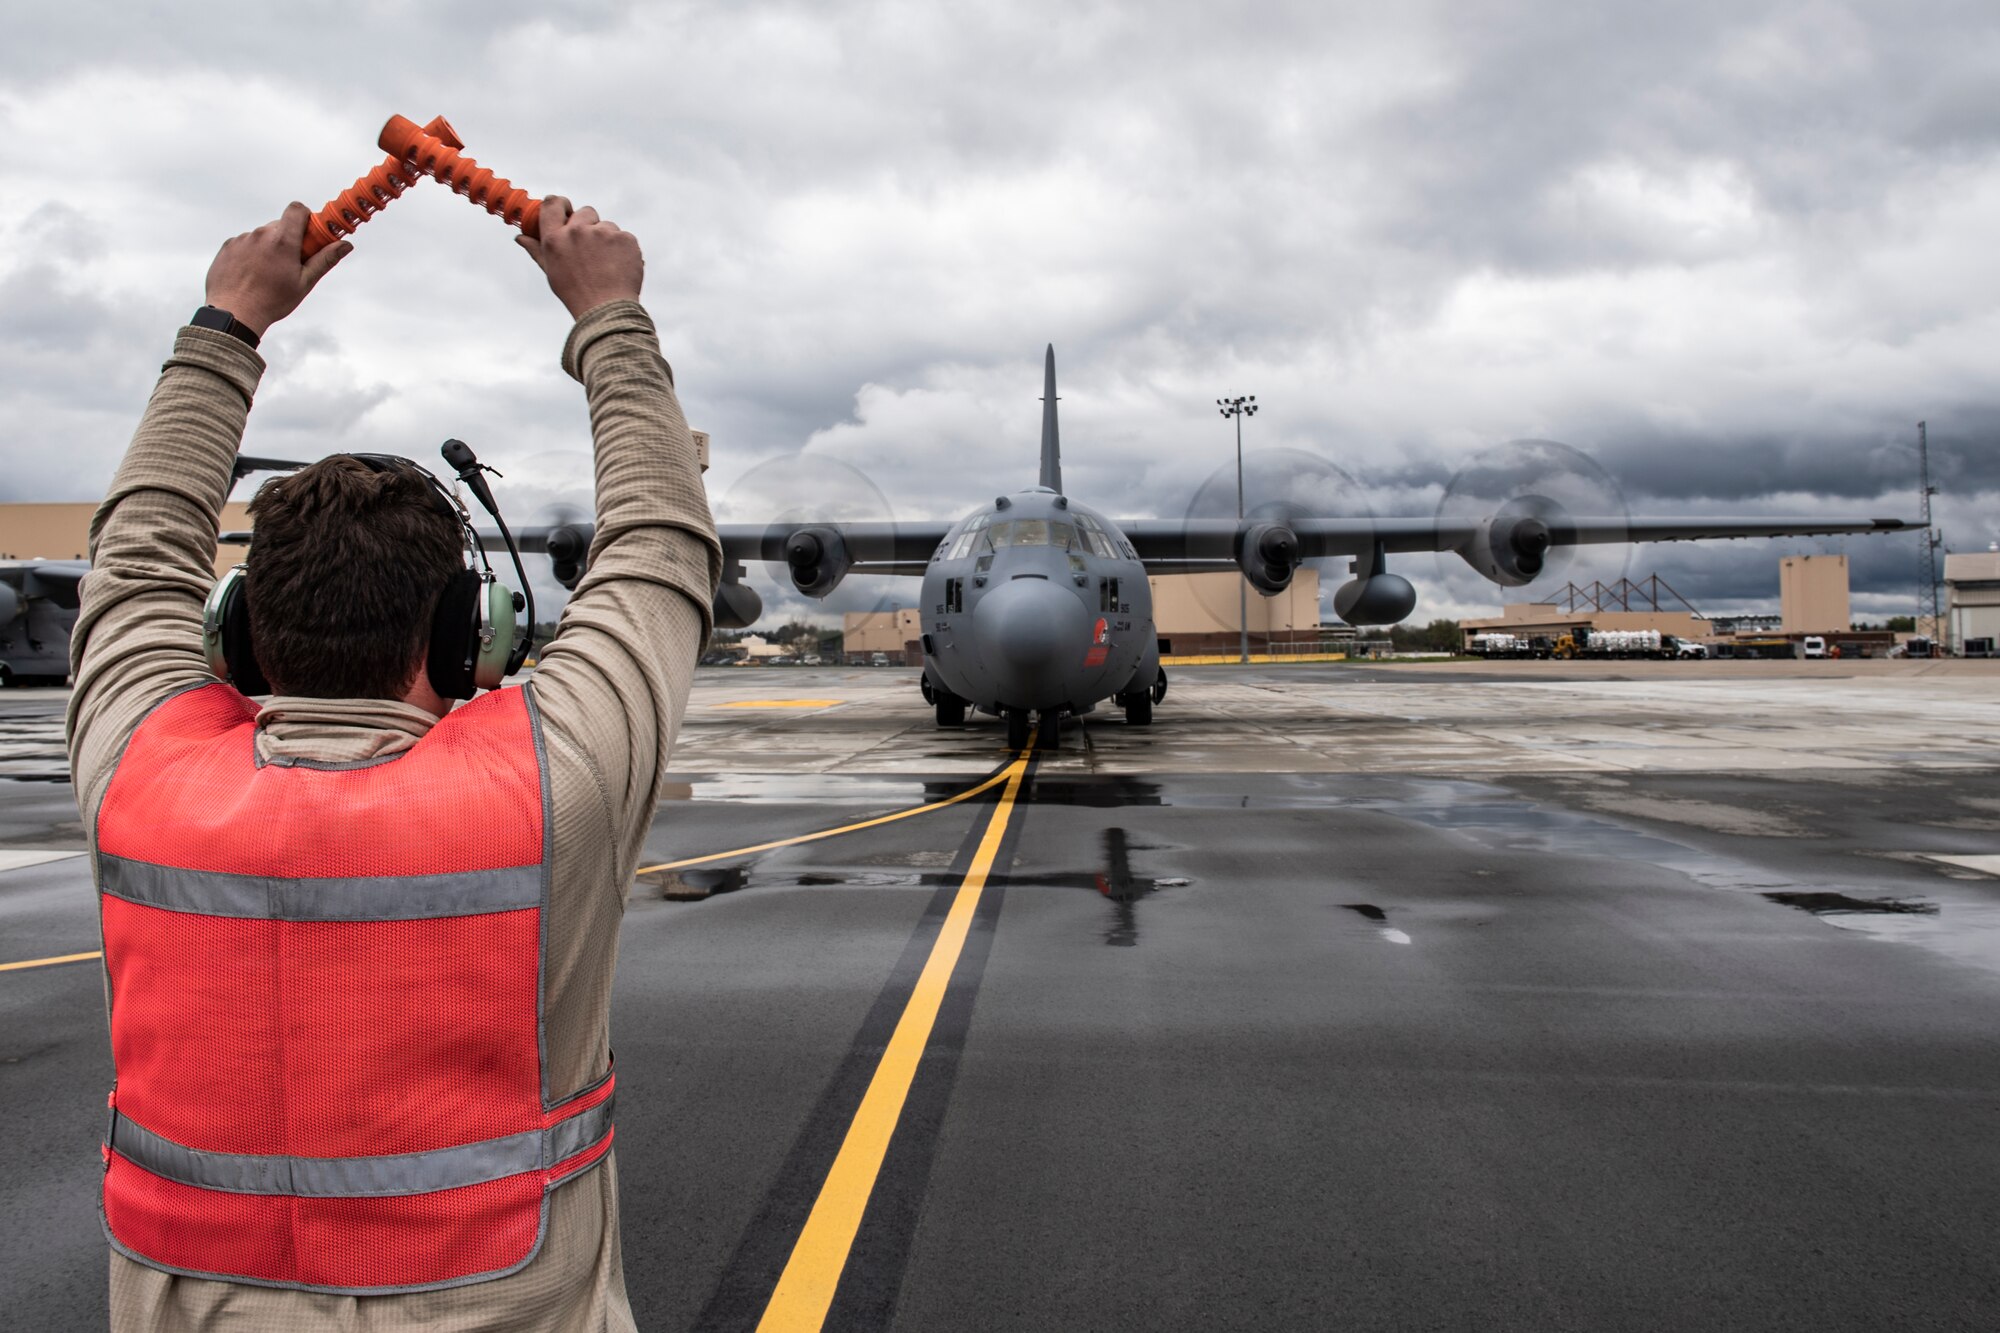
<point x="1383" y="599"/>
<point x="1512" y="547"/>
<point x="736" y="606"/>
<point x="568" y="547"/>
<point x="1268" y="554"/>
<point x="10" y="604"/>
<point x="818" y="560"/>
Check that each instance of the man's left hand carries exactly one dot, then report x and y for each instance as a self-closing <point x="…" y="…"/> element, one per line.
<point x="258" y="276"/>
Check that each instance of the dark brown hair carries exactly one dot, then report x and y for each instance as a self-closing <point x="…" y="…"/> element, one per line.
<point x="345" y="569"/>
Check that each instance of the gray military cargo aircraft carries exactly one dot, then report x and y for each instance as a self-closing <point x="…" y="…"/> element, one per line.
<point x="1037" y="604"/>
<point x="38" y="602"/>
<point x="37" y="608"/>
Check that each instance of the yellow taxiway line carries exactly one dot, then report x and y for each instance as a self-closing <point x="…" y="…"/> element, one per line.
<point x="50" y="962"/>
<point x="966" y="795"/>
<point x="805" y="1291"/>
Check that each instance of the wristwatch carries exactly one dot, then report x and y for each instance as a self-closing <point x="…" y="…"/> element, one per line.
<point x="209" y="317"/>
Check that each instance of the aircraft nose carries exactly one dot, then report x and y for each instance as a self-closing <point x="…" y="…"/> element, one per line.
<point x="1032" y="626"/>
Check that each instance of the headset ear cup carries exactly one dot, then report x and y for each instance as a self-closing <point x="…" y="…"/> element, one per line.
<point x="225" y="635"/>
<point x="454" y="636"/>
<point x="496" y="652"/>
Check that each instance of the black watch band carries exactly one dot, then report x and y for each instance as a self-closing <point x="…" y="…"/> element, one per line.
<point x="209" y="317"/>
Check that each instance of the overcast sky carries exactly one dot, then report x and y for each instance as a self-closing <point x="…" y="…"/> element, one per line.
<point x="1731" y="252"/>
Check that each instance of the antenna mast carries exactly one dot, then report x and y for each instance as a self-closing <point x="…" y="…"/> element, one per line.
<point x="1927" y="591"/>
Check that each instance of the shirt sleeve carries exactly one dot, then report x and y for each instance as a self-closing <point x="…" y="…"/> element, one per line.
<point x="137" y="637"/>
<point x="613" y="684"/>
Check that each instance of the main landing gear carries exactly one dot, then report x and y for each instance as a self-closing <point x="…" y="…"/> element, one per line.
<point x="1138" y="705"/>
<point x="950" y="708"/>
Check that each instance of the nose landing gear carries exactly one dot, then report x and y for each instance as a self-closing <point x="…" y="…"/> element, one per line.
<point x="1022" y="729"/>
<point x="1019" y="728"/>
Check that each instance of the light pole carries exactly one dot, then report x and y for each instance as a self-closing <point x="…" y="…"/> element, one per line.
<point x="1240" y="408"/>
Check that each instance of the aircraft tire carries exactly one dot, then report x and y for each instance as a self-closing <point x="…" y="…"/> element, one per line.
<point x="1018" y="729"/>
<point x="950" y="709"/>
<point x="1139" y="710"/>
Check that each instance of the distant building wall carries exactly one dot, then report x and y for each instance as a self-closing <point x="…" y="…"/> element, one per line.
<point x="34" y="531"/>
<point x="1812" y="594"/>
<point x="1972" y="592"/>
<point x="1197" y="604"/>
<point x="880" y="631"/>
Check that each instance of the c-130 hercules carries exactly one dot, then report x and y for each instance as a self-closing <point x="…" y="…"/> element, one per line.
<point x="1037" y="604"/>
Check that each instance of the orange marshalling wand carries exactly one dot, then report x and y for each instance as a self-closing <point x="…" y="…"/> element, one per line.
<point x="369" y="195"/>
<point x="414" y="153"/>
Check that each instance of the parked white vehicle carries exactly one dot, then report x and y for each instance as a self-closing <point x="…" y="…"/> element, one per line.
<point x="1625" y="642"/>
<point x="1814" y="646"/>
<point x="1696" y="650"/>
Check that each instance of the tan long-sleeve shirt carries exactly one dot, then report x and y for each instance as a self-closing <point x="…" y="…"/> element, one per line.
<point x="611" y="689"/>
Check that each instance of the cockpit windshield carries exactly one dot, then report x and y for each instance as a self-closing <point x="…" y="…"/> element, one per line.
<point x="982" y="533"/>
<point x="1032" y="532"/>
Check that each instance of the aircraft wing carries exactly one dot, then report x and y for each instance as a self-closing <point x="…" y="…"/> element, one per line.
<point x="873" y="548"/>
<point x="1169" y="546"/>
<point x="907" y="547"/>
<point x="860" y="548"/>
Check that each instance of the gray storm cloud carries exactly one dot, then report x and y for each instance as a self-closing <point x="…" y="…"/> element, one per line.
<point x="1733" y="252"/>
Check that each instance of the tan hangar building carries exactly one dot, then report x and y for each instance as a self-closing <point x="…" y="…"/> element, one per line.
<point x="59" y="531"/>
<point x="1192" y="613"/>
<point x="36" y="530"/>
<point x="1812" y="594"/>
<point x="1972" y="607"/>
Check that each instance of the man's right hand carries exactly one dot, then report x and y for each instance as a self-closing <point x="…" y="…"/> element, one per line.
<point x="588" y="261"/>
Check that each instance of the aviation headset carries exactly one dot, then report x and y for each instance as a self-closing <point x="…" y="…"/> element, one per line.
<point x="473" y="645"/>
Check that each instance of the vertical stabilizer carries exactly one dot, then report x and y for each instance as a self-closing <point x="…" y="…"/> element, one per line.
<point x="1051" y="440"/>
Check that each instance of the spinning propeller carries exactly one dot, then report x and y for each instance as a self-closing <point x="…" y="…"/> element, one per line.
<point x="1281" y="488"/>
<point x="807" y="495"/>
<point x="1531" y="499"/>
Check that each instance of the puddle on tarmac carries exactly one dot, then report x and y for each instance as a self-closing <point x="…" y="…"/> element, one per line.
<point x="1963" y="924"/>
<point x="1097" y="793"/>
<point x="1502" y="819"/>
<point x="695" y="885"/>
<point x="1840" y="904"/>
<point x="682" y="886"/>
<point x="888" y="790"/>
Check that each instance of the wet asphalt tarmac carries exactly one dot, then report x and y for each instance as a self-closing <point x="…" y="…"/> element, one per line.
<point x="1229" y="1048"/>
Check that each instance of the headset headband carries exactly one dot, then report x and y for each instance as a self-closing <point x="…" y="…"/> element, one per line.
<point x="460" y="456"/>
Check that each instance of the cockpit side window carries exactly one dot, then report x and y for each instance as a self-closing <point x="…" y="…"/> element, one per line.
<point x="968" y="536"/>
<point x="1095" y="537"/>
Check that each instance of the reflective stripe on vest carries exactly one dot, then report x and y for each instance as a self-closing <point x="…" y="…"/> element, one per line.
<point x="326" y="1005"/>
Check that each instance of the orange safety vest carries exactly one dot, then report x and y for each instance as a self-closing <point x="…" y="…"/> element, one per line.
<point x="326" y="1004"/>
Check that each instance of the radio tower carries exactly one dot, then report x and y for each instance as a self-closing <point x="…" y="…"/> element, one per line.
<point x="1927" y="591"/>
